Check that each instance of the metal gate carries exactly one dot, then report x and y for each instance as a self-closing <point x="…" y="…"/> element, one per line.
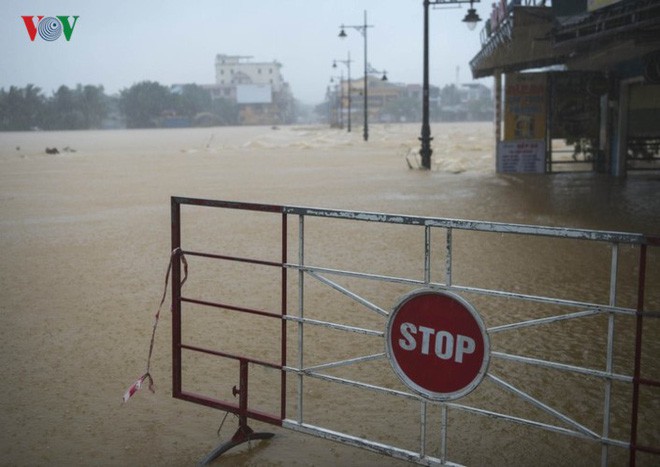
<point x="429" y="257"/>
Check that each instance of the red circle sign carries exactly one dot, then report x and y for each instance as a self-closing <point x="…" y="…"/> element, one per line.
<point x="437" y="344"/>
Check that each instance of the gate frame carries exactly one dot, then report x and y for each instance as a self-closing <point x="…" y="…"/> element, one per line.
<point x="245" y="433"/>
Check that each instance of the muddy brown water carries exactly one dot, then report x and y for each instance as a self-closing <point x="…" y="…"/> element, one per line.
<point x="85" y="236"/>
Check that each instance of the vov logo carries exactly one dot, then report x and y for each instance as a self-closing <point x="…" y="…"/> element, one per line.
<point x="50" y="28"/>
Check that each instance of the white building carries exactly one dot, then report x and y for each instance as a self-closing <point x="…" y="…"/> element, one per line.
<point x="236" y="70"/>
<point x="257" y="87"/>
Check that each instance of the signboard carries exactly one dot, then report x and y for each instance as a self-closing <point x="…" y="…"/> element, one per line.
<point x="437" y="344"/>
<point x="524" y="106"/>
<point x="593" y="5"/>
<point x="254" y="94"/>
<point x="521" y="156"/>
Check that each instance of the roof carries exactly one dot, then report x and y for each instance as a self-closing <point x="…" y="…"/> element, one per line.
<point x="521" y="41"/>
<point x="602" y="39"/>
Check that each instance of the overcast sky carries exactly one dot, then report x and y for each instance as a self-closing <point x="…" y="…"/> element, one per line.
<point x="119" y="43"/>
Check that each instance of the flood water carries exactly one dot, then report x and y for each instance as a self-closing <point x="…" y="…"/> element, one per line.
<point x="85" y="236"/>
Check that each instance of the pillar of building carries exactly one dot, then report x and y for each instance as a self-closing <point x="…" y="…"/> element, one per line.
<point x="497" y="96"/>
<point x="620" y="134"/>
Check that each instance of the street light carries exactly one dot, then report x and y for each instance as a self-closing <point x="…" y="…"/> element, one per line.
<point x="471" y="20"/>
<point x="348" y="65"/>
<point x="363" y="30"/>
<point x="372" y="70"/>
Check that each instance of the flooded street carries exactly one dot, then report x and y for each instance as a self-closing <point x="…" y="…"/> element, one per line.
<point x="85" y="236"/>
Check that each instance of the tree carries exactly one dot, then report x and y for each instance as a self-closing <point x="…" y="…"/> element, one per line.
<point x="93" y="103"/>
<point x="21" y="109"/>
<point x="192" y="100"/>
<point x="143" y="103"/>
<point x="64" y="112"/>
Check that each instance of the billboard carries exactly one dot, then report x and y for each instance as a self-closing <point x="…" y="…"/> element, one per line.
<point x="254" y="94"/>
<point x="525" y="106"/>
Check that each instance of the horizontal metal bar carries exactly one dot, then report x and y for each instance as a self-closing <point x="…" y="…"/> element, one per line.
<point x="546" y="408"/>
<point x="340" y="327"/>
<point x="581" y="434"/>
<point x="223" y="306"/>
<point x="227" y="204"/>
<point x="356" y="384"/>
<point x="228" y="407"/>
<point x="649" y="382"/>
<point x="481" y="226"/>
<point x="340" y="363"/>
<point x="547" y="320"/>
<point x="649" y="449"/>
<point x="584" y="434"/>
<point x="563" y="367"/>
<point x="217" y="353"/>
<point x="650" y="314"/>
<point x="348" y="293"/>
<point x="233" y="258"/>
<point x="541" y="299"/>
<point x="461" y="288"/>
<point x="374" y="446"/>
<point x="359" y="275"/>
<point x="534" y="423"/>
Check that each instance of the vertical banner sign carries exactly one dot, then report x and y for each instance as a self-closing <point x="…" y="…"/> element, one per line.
<point x="524" y="106"/>
<point x="437" y="344"/>
<point x="525" y="124"/>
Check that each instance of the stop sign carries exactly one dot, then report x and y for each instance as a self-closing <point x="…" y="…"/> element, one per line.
<point x="437" y="344"/>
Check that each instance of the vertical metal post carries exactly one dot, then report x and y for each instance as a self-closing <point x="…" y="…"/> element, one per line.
<point x="427" y="254"/>
<point x="448" y="258"/>
<point x="550" y="85"/>
<point x="301" y="303"/>
<point x="284" y="313"/>
<point x="348" y="65"/>
<point x="366" y="93"/>
<point x="497" y="78"/>
<point x="422" y="430"/>
<point x="610" y="354"/>
<point x="638" y="354"/>
<point x="426" y="151"/>
<point x="176" y="297"/>
<point x="341" y="100"/>
<point x="243" y="394"/>
<point x="443" y="433"/>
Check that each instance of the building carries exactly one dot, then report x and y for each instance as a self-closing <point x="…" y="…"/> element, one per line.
<point x="399" y="102"/>
<point x="580" y="83"/>
<point x="258" y="88"/>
